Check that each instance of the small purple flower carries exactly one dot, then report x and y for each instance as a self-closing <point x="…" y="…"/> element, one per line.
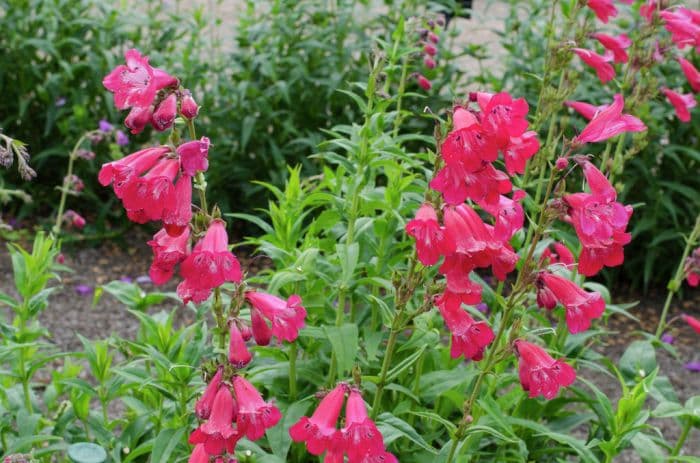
<point x="105" y="126"/>
<point x="83" y="290"/>
<point x="60" y="101"/>
<point x="667" y="338"/>
<point x="693" y="366"/>
<point x="126" y="279"/>
<point x="483" y="308"/>
<point x="122" y="138"/>
<point x="143" y="279"/>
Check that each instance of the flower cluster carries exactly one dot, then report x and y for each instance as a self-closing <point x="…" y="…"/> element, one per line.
<point x="156" y="184"/>
<point x="359" y="439"/>
<point x="682" y="23"/>
<point x="429" y="41"/>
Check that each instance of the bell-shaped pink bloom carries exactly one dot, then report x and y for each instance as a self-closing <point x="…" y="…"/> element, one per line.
<point x="319" y="431"/>
<point x="581" y="306"/>
<point x="177" y="217"/>
<point x="681" y="103"/>
<point x="164" y="115"/>
<point x="424" y="83"/>
<point x="693" y="322"/>
<point x="601" y="63"/>
<point x="188" y="107"/>
<point x="194" y="156"/>
<point x="647" y="10"/>
<point x="558" y="253"/>
<point x="238" y="353"/>
<point x="469" y="337"/>
<point x="122" y="171"/>
<point x="594" y="257"/>
<point x="360" y="435"/>
<point x="188" y="292"/>
<point x="503" y="117"/>
<point x="254" y="414"/>
<point x="457" y="184"/>
<point x="609" y="123"/>
<point x="138" y="118"/>
<point x="431" y="242"/>
<point x="603" y="9"/>
<point x="616" y="44"/>
<point x="470" y="294"/>
<point x="684" y="26"/>
<point x="587" y="110"/>
<point x="287" y="317"/>
<point x="199" y="455"/>
<point x="469" y="148"/>
<point x="262" y="333"/>
<point x="211" y="264"/>
<point x="539" y="373"/>
<point x="153" y="193"/>
<point x="519" y="151"/>
<point x="383" y="457"/>
<point x="463" y="118"/>
<point x="509" y="215"/>
<point x="168" y="251"/>
<point x="136" y="83"/>
<point x="218" y="433"/>
<point x="691" y="73"/>
<point x="203" y="407"/>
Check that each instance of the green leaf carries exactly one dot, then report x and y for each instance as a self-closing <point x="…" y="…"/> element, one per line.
<point x="278" y="436"/>
<point x="638" y="360"/>
<point x="393" y="428"/>
<point x="348" y="256"/>
<point x="165" y="443"/>
<point x="344" y="340"/>
<point x="647" y="449"/>
<point x="577" y="445"/>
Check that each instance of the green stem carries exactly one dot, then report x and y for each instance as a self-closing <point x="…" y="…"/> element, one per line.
<point x="675" y="283"/>
<point x="293" y="372"/>
<point x="386" y="363"/>
<point x="399" y="97"/>
<point x="56" y="230"/>
<point x="687" y="426"/>
<point x="220" y="319"/>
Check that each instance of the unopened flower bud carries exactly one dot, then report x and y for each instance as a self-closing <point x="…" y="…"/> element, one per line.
<point x="430" y="49"/>
<point x="122" y="138"/>
<point x="429" y="62"/>
<point x="561" y="163"/>
<point x="74" y="219"/>
<point x="188" y="107"/>
<point x="75" y="183"/>
<point x="440" y="22"/>
<point x="432" y="36"/>
<point x="165" y="113"/>
<point x="85" y="154"/>
<point x="6" y="157"/>
<point x="424" y="82"/>
<point x="137" y="118"/>
<point x="60" y="258"/>
<point x="105" y="126"/>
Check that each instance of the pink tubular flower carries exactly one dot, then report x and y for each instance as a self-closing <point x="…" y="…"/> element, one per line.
<point x="587" y="110"/>
<point x="193" y="156"/>
<point x="693" y="322"/>
<point x="519" y="151"/>
<point x="609" y="123"/>
<point x="319" y="432"/>
<point x="684" y="26"/>
<point x="581" y="306"/>
<point x="199" y="455"/>
<point x="262" y="333"/>
<point x="203" y="407"/>
<point x="217" y="433"/>
<point x="469" y="337"/>
<point x="503" y="117"/>
<point x="691" y="73"/>
<point x="238" y="354"/>
<point x="177" y="216"/>
<point x="616" y="44"/>
<point x="603" y="9"/>
<point x="210" y="264"/>
<point x="431" y="241"/>
<point x="149" y="196"/>
<point x="188" y="107"/>
<point x="136" y="83"/>
<point x="681" y="103"/>
<point x="129" y="168"/>
<point x="647" y="10"/>
<point x="457" y="184"/>
<point x="468" y="148"/>
<point x="424" y="83"/>
<point x="287" y="317"/>
<point x="254" y="414"/>
<point x="168" y="251"/>
<point x="164" y="115"/>
<point x="138" y="118"/>
<point x="360" y="435"/>
<point x="692" y="268"/>
<point x="600" y="63"/>
<point x="463" y="118"/>
<point x="539" y="373"/>
<point x="509" y="215"/>
<point x="560" y="255"/>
